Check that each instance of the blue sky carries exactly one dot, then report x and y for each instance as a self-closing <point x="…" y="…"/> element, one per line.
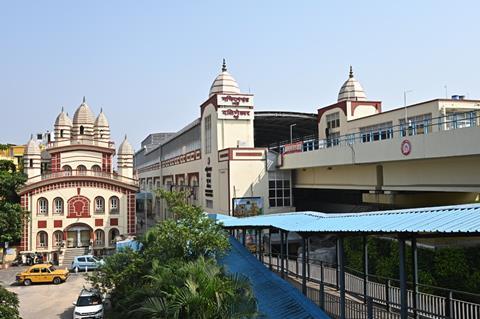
<point x="150" y="64"/>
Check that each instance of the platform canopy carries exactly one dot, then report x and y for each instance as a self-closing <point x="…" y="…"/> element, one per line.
<point x="457" y="219"/>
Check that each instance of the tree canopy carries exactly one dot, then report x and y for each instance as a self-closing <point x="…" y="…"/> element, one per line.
<point x="176" y="274"/>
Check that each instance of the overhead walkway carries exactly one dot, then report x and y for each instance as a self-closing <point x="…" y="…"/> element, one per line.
<point x="276" y="298"/>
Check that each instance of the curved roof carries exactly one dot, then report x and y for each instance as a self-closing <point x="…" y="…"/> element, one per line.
<point x="351" y="90"/>
<point x="32" y="147"/>
<point x="83" y="115"/>
<point x="224" y="83"/>
<point x="101" y="120"/>
<point x="125" y="148"/>
<point x="63" y="119"/>
<point x="271" y="127"/>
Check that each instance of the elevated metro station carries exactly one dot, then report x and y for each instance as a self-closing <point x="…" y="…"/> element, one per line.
<point x="350" y="156"/>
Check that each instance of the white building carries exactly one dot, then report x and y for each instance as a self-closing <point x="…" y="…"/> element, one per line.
<point x="77" y="199"/>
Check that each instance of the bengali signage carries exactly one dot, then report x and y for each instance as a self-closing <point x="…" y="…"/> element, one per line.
<point x="231" y="113"/>
<point x="247" y="206"/>
<point x="235" y="100"/>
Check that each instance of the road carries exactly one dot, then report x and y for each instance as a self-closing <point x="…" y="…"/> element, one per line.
<point x="44" y="301"/>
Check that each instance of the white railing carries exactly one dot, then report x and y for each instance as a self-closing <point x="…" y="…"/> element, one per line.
<point x="89" y="173"/>
<point x="428" y="305"/>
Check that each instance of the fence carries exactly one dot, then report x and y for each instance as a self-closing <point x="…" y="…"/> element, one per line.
<point x="383" y="299"/>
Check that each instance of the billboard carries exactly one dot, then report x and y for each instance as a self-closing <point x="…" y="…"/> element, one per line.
<point x="247" y="206"/>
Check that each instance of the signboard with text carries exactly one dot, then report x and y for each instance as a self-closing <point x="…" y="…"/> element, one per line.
<point x="233" y="113"/>
<point x="235" y="100"/>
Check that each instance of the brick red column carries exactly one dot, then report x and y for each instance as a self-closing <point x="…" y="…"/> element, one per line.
<point x="131" y="213"/>
<point x="24" y="236"/>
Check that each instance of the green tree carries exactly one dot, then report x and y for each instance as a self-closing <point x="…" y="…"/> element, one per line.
<point x="176" y="274"/>
<point x="8" y="304"/>
<point x="11" y="213"/>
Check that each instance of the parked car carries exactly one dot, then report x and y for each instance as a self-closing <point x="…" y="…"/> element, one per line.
<point x="89" y="305"/>
<point x="86" y="262"/>
<point x="42" y="273"/>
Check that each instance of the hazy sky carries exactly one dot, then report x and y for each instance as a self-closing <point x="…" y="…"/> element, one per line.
<point x="150" y="64"/>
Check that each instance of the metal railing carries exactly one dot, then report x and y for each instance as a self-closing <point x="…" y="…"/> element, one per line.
<point x="90" y="173"/>
<point x="382" y="300"/>
<point x="426" y="126"/>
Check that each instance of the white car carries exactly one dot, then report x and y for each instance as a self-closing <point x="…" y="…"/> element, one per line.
<point x="89" y="305"/>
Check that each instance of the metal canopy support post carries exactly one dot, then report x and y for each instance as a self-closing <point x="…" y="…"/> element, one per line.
<point x="365" y="269"/>
<point x="270" y="248"/>
<point x="341" y="276"/>
<point x="304" y="265"/>
<point x="308" y="257"/>
<point x="282" y="272"/>
<point x="414" y="277"/>
<point x="286" y="250"/>
<point x="403" y="280"/>
<point x="244" y="237"/>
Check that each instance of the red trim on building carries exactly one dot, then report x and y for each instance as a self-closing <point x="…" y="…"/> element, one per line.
<point x="42" y="224"/>
<point x="78" y="184"/>
<point x="98" y="222"/>
<point x="106" y="162"/>
<point x="248" y="154"/>
<point x="57" y="223"/>
<point x="55" y="162"/>
<point x="376" y="104"/>
<point x="24" y="238"/>
<point x="341" y="105"/>
<point x="113" y="221"/>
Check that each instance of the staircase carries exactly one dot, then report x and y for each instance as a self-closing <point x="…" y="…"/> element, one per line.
<point x="65" y="259"/>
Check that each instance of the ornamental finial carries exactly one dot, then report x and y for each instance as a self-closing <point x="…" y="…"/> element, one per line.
<point x="351" y="72"/>
<point x="224" y="66"/>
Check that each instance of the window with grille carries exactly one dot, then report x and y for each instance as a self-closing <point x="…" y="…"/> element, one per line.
<point x="333" y="120"/>
<point x="43" y="206"/>
<point x="279" y="189"/>
<point x="208" y="134"/>
<point x="58" y="204"/>
<point x="114" y="204"/>
<point x="99" y="205"/>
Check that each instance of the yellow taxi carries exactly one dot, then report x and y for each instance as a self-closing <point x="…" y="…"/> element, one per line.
<point x="42" y="273"/>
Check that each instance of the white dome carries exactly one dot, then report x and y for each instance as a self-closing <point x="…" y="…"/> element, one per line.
<point x="63" y="119"/>
<point x="125" y="148"/>
<point x="224" y="83"/>
<point x="32" y="147"/>
<point x="83" y="115"/>
<point x="351" y="90"/>
<point x="101" y="120"/>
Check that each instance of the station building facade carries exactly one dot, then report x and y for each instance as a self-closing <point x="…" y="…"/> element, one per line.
<point x="73" y="195"/>
<point x="241" y="162"/>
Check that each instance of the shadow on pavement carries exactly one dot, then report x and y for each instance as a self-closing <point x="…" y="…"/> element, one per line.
<point x="68" y="313"/>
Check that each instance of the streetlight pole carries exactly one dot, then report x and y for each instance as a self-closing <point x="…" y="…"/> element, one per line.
<point x="405" y="104"/>
<point x="291" y="131"/>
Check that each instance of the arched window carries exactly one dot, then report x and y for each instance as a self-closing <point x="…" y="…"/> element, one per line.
<point x="81" y="170"/>
<point x="99" y="237"/>
<point x="82" y="130"/>
<point x="42" y="208"/>
<point x="67" y="169"/>
<point x="112" y="235"/>
<point x="58" y="206"/>
<point x="61" y="133"/>
<point x="96" y="170"/>
<point x="114" y="205"/>
<point x="99" y="205"/>
<point x="42" y="239"/>
<point x="58" y="239"/>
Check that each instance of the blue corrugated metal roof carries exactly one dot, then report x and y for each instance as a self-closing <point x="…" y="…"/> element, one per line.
<point x="445" y="219"/>
<point x="276" y="298"/>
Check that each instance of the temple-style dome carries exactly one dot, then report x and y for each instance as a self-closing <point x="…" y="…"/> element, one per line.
<point x="351" y="90"/>
<point x="101" y="120"/>
<point x="224" y="83"/>
<point x="32" y="147"/>
<point x="83" y="115"/>
<point x="63" y="119"/>
<point x="125" y="148"/>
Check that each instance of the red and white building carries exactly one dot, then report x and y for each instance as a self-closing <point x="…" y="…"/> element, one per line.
<point x="73" y="196"/>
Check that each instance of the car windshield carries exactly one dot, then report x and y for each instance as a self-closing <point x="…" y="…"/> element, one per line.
<point x="88" y="300"/>
<point x="52" y="269"/>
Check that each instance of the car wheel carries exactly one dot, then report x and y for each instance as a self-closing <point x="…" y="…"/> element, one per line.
<point x="27" y="282"/>
<point x="57" y="280"/>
